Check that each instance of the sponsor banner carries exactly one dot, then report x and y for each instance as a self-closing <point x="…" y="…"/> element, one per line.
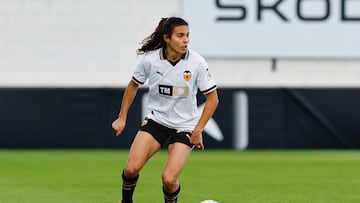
<point x="252" y="118"/>
<point x="274" y="28"/>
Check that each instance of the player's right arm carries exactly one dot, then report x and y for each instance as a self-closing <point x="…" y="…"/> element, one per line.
<point x="130" y="92"/>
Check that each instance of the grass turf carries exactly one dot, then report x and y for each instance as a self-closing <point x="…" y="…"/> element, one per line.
<point x="94" y="176"/>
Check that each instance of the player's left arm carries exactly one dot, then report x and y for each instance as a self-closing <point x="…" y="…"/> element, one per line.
<point x="211" y="104"/>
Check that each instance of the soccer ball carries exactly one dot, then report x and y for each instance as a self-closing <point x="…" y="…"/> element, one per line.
<point x="209" y="201"/>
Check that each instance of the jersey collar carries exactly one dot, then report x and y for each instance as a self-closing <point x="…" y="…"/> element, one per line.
<point x="163" y="54"/>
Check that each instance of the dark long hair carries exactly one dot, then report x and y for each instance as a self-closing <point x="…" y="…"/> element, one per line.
<point x="155" y="40"/>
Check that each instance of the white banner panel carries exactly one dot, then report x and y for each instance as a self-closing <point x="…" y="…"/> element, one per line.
<point x="274" y="28"/>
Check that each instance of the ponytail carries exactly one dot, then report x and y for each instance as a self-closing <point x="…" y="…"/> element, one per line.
<point x="155" y="40"/>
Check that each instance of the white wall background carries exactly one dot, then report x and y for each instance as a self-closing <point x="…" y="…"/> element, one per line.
<point x="92" y="43"/>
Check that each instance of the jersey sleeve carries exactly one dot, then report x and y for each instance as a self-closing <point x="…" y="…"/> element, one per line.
<point x="141" y="72"/>
<point x="206" y="81"/>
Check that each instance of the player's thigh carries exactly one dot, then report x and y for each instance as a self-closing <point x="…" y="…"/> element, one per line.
<point x="142" y="149"/>
<point x="178" y="155"/>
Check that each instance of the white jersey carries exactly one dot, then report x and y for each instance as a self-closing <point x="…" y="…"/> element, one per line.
<point x="172" y="89"/>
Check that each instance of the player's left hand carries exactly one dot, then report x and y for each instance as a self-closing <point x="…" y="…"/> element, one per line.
<point x="196" y="140"/>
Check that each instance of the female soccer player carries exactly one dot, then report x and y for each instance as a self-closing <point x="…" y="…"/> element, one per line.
<point x="175" y="74"/>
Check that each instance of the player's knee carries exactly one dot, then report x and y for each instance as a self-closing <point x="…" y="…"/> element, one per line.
<point x="132" y="170"/>
<point x="169" y="180"/>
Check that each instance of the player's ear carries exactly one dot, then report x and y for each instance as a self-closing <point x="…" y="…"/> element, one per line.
<point x="166" y="38"/>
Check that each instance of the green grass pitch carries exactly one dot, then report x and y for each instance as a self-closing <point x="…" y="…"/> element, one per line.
<point x="94" y="176"/>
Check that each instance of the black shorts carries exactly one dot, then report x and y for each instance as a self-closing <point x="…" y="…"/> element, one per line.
<point x="165" y="135"/>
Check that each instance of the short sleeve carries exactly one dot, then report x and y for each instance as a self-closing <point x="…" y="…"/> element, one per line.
<point x="141" y="72"/>
<point x="205" y="80"/>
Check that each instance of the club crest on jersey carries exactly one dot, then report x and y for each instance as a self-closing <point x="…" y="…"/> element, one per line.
<point x="187" y="75"/>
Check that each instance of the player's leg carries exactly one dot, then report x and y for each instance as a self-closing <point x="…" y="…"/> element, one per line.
<point x="142" y="149"/>
<point x="177" y="157"/>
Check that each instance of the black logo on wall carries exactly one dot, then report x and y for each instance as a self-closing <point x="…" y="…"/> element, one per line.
<point x="262" y="6"/>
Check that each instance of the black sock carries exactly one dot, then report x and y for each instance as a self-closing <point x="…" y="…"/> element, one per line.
<point x="128" y="188"/>
<point x="171" y="197"/>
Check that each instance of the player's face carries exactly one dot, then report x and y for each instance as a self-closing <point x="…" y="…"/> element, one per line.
<point x="179" y="39"/>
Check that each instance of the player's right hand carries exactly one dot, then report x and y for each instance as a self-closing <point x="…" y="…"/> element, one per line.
<point x="118" y="126"/>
